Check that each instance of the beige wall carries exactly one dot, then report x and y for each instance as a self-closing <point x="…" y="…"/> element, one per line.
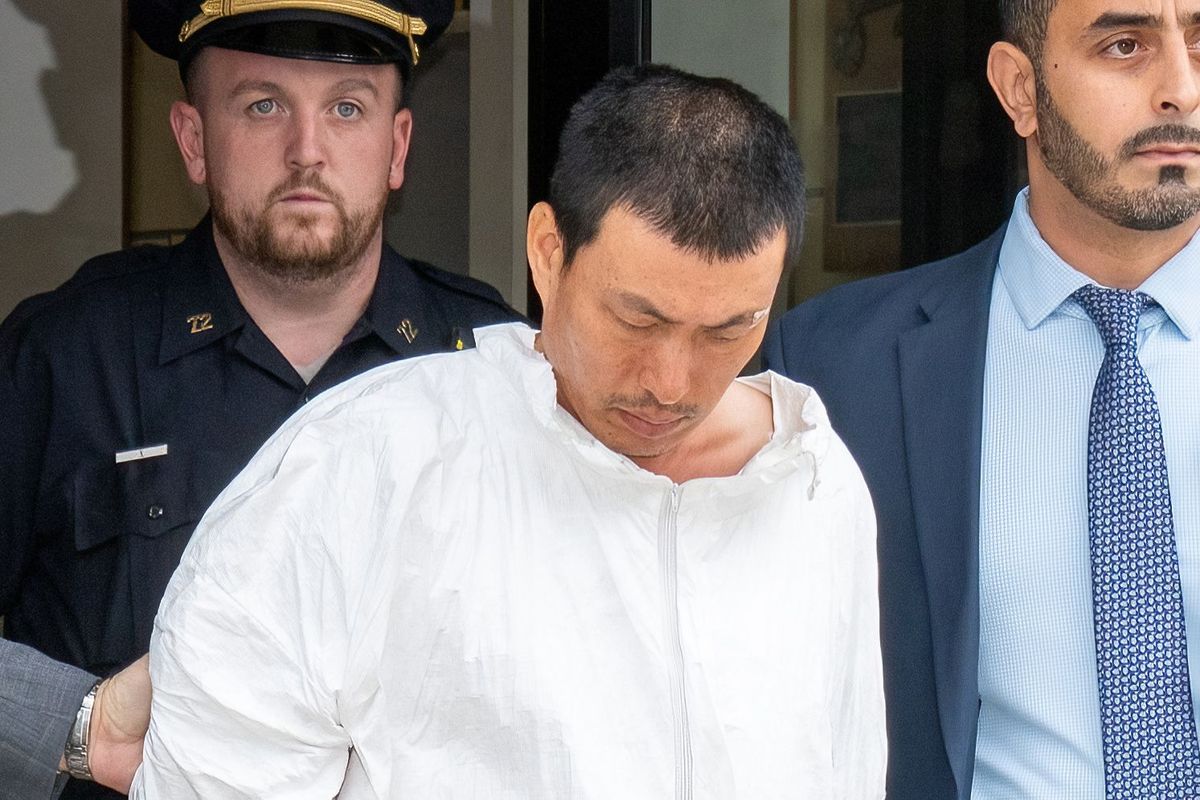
<point x="429" y="217"/>
<point x="499" y="145"/>
<point x="161" y="198"/>
<point x="60" y="140"/>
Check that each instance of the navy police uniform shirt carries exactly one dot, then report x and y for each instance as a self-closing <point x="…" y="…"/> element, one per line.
<point x="131" y="396"/>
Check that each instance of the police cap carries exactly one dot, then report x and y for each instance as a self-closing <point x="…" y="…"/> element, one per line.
<point x="352" y="31"/>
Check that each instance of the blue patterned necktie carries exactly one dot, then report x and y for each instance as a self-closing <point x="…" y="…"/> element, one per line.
<point x="1149" y="730"/>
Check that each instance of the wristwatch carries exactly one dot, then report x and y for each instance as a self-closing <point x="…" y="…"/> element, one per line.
<point x="76" y="753"/>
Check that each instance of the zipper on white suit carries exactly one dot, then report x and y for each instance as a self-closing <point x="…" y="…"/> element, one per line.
<point x="668" y="565"/>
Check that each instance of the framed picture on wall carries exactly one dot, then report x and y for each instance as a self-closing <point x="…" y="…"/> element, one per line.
<point x="862" y="220"/>
<point x="864" y="140"/>
<point x="867" y="190"/>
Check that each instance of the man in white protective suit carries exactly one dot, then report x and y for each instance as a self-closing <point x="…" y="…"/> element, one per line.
<point x="585" y="562"/>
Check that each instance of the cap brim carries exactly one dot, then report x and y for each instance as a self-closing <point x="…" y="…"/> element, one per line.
<point x="291" y="32"/>
<point x="312" y="35"/>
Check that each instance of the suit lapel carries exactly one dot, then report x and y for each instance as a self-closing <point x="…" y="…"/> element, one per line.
<point x="941" y="385"/>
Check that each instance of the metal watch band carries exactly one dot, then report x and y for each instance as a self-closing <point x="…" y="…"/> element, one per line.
<point x="77" y="743"/>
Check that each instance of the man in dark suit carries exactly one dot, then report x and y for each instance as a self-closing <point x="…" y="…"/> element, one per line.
<point x="1025" y="417"/>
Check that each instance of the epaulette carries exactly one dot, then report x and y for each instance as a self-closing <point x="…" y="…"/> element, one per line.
<point x="108" y="266"/>
<point x="464" y="285"/>
<point x="118" y="264"/>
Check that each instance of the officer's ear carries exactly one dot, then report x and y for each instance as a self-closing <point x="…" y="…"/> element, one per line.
<point x="188" y="127"/>
<point x="401" y="136"/>
<point x="544" y="248"/>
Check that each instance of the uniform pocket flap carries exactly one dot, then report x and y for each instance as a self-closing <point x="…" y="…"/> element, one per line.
<point x="146" y="497"/>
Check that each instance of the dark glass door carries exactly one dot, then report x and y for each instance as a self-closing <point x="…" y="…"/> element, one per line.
<point x="571" y="46"/>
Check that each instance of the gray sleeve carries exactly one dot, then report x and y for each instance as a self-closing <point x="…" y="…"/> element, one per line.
<point x="39" y="698"/>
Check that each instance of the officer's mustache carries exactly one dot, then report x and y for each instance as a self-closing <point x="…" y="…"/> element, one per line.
<point x="1170" y="133"/>
<point x="310" y="181"/>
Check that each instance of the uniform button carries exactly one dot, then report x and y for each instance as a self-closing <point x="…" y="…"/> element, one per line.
<point x="154" y="512"/>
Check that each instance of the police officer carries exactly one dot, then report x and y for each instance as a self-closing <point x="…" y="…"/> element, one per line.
<point x="138" y="389"/>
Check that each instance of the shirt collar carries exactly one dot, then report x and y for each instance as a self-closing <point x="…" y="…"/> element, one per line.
<point x="404" y="313"/>
<point x="201" y="306"/>
<point x="801" y="423"/>
<point x="1039" y="281"/>
<point x="1176" y="287"/>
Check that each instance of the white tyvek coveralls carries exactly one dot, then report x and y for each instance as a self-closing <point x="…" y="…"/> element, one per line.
<point x="434" y="583"/>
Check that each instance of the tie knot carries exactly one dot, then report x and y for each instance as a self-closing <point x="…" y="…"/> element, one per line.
<point x="1115" y="311"/>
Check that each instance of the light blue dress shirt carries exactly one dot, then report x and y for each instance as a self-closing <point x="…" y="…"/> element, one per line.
<point x="1039" y="719"/>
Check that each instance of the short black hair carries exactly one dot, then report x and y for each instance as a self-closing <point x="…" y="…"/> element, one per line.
<point x="1024" y="23"/>
<point x="702" y="160"/>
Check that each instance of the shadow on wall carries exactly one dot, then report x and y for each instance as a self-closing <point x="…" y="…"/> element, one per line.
<point x="60" y="141"/>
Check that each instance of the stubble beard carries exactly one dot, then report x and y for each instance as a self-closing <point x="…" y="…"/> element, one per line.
<point x="1091" y="177"/>
<point x="289" y="250"/>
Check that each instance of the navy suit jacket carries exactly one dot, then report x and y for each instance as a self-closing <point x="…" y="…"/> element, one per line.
<point x="899" y="362"/>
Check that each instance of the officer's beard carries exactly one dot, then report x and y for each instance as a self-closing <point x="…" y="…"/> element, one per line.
<point x="285" y="245"/>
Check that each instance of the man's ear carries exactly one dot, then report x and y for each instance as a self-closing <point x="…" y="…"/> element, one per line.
<point x="188" y="127"/>
<point x="1011" y="74"/>
<point x="401" y="136"/>
<point x="544" y="249"/>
